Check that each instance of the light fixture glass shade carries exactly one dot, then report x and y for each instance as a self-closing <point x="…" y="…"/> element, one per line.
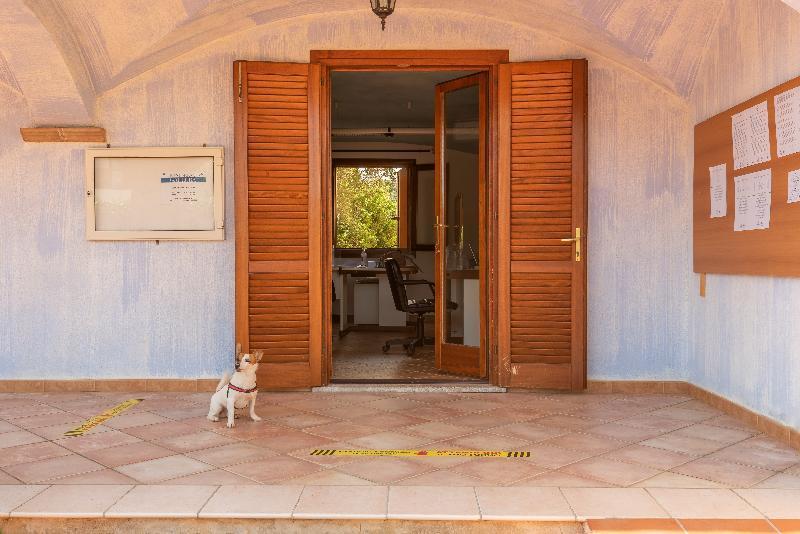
<point x="383" y="8"/>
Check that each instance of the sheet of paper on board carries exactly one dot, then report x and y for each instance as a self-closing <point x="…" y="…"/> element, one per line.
<point x="719" y="190"/>
<point x="794" y="186"/>
<point x="787" y="122"/>
<point x="753" y="200"/>
<point x="750" y="131"/>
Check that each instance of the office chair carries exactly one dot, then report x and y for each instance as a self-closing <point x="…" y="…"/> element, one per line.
<point x="417" y="307"/>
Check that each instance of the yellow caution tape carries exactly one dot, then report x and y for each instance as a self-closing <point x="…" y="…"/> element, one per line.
<point x="106" y="415"/>
<point x="420" y="453"/>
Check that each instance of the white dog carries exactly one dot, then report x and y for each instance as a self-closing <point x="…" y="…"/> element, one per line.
<point x="237" y="391"/>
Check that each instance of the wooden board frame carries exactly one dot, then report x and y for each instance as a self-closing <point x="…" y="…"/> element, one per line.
<point x="717" y="248"/>
<point x="412" y="60"/>
<point x="215" y="234"/>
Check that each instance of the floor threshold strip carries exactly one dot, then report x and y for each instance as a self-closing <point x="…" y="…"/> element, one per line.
<point x="420" y="453"/>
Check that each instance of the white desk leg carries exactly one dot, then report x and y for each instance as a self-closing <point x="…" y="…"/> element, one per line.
<point x="343" y="303"/>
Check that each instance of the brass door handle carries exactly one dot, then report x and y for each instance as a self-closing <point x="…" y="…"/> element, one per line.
<point x="577" y="241"/>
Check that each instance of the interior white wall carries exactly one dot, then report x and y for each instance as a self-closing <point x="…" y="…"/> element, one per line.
<point x="744" y="340"/>
<point x="77" y="309"/>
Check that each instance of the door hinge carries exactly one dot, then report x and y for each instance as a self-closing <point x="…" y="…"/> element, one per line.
<point x="240" y="82"/>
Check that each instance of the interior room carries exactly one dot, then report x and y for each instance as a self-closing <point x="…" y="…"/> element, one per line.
<point x="384" y="190"/>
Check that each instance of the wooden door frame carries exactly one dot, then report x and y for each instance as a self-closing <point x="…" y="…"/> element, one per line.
<point x="409" y="60"/>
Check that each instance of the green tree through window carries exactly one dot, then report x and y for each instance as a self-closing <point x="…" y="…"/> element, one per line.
<point x="367" y="207"/>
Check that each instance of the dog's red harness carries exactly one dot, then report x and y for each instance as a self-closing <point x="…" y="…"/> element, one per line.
<point x="240" y="390"/>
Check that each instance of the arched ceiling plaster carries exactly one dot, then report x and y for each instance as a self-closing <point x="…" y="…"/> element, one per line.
<point x="104" y="43"/>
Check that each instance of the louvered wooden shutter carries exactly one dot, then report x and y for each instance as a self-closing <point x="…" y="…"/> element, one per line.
<point x="542" y="195"/>
<point x="278" y="210"/>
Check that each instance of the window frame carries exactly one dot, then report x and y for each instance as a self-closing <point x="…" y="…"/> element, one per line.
<point x="406" y="206"/>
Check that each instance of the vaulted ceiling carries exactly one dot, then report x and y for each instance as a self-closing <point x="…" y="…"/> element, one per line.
<point x="87" y="47"/>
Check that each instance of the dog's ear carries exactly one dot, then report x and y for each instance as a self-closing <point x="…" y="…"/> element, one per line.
<point x="258" y="355"/>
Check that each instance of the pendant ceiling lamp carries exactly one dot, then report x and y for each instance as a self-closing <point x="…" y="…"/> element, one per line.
<point x="383" y="8"/>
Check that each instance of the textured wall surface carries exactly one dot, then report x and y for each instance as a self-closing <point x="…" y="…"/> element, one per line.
<point x="75" y="309"/>
<point x="744" y="339"/>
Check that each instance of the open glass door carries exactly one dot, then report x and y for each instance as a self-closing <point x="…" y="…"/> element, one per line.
<point x="460" y="167"/>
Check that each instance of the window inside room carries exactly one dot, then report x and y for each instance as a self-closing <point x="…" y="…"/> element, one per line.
<point x="370" y="205"/>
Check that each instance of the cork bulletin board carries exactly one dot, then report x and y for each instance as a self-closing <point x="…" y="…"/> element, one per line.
<point x="747" y="214"/>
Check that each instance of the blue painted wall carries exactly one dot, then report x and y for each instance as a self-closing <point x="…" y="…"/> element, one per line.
<point x="745" y="342"/>
<point x="75" y="309"/>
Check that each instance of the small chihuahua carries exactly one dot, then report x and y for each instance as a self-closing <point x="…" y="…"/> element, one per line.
<point x="238" y="390"/>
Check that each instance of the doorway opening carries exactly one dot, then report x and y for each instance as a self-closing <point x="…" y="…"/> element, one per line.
<point x="406" y="233"/>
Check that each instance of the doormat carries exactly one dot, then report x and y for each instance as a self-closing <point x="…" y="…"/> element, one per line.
<point x="426" y="453"/>
<point x="105" y="416"/>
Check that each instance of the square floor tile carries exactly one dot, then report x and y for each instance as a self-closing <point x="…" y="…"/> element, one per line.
<point x="252" y="502"/>
<point x="684" y="444"/>
<point x="704" y="504"/>
<point x="13" y="496"/>
<point x="83" y="444"/>
<point x="389" y="440"/>
<point x="553" y="457"/>
<point x="304" y="420"/>
<point x="160" y="469"/>
<point x="162" y="501"/>
<point x="329" y="477"/>
<point x="650" y="456"/>
<point x="669" y="479"/>
<point x="529" y="431"/>
<point x="384" y="470"/>
<point x="726" y="436"/>
<point x="440" y="477"/>
<point x="523" y="504"/>
<point x="274" y="469"/>
<point x="342" y="431"/>
<point x="612" y="471"/>
<point x="130" y="420"/>
<point x="590" y="503"/>
<point x="19" y="437"/>
<point x="561" y="480"/>
<point x="725" y="473"/>
<point x="623" y="432"/>
<point x="498" y="471"/>
<point x="31" y="453"/>
<point x="350" y="502"/>
<point x="214" y="477"/>
<point x="72" y="501"/>
<point x="433" y="503"/>
<point x="585" y="442"/>
<point x="438" y="430"/>
<point x="759" y="453"/>
<point x="100" y="477"/>
<point x="774" y="503"/>
<point x="780" y="481"/>
<point x="232" y="454"/>
<point x="128" y="454"/>
<point x="194" y="442"/>
<point x="51" y="468"/>
<point x="292" y="440"/>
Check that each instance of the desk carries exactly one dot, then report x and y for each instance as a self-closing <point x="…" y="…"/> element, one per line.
<point x="388" y="315"/>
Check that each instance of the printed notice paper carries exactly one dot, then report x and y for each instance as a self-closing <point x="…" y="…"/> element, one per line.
<point x="750" y="136"/>
<point x="719" y="191"/>
<point x="753" y="200"/>
<point x="787" y="121"/>
<point x="794" y="186"/>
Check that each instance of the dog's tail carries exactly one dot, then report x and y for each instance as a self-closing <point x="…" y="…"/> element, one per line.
<point x="225" y="379"/>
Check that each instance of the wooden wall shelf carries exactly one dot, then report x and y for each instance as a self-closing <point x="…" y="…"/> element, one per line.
<point x="88" y="134"/>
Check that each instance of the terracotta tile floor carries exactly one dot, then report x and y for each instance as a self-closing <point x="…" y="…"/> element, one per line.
<point x="606" y="440"/>
<point x="617" y="456"/>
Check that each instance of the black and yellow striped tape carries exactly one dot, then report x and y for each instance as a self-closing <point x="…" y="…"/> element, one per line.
<point x="105" y="416"/>
<point x="418" y="453"/>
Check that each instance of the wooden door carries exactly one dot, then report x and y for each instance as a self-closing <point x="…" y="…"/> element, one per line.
<point x="460" y="252"/>
<point x="542" y="224"/>
<point x="278" y="220"/>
